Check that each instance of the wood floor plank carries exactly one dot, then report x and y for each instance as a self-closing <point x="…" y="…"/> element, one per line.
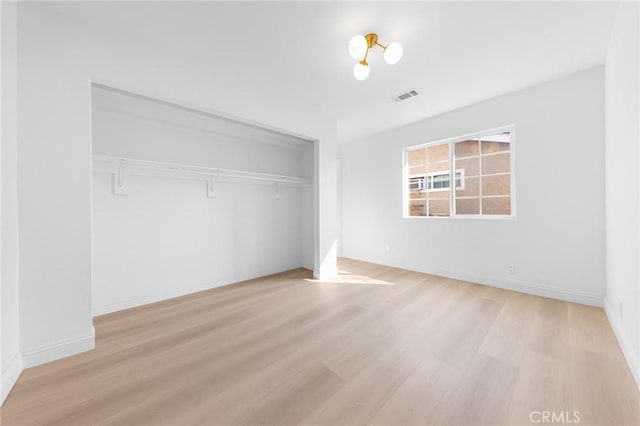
<point x="481" y="397"/>
<point x="548" y="330"/>
<point x="507" y="338"/>
<point x="291" y="402"/>
<point x="589" y="329"/>
<point x="414" y="402"/>
<point x="457" y="339"/>
<point x="376" y="345"/>
<point x="603" y="390"/>
<point x="542" y="385"/>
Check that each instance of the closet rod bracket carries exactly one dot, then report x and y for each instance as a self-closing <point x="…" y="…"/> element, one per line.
<point x="211" y="185"/>
<point x="120" y="180"/>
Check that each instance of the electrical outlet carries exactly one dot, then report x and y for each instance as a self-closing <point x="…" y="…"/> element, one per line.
<point x="512" y="269"/>
<point x="620" y="310"/>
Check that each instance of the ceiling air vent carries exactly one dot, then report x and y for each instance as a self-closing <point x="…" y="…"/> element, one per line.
<point x="406" y="95"/>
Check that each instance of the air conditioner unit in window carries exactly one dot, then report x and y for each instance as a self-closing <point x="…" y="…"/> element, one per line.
<point x="417" y="183"/>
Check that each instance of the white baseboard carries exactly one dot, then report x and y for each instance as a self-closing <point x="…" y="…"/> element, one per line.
<point x="154" y="297"/>
<point x="10" y="376"/>
<point x="540" y="290"/>
<point x="146" y="299"/>
<point x="61" y="349"/>
<point x="103" y="308"/>
<point x="627" y="350"/>
<point x="531" y="288"/>
<point x="511" y="284"/>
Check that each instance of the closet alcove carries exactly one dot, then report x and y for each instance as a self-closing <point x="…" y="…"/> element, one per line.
<point x="184" y="200"/>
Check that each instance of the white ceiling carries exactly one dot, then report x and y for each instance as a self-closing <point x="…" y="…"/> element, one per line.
<point x="294" y="55"/>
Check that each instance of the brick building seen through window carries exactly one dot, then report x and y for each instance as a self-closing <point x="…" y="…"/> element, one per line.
<point x="483" y="177"/>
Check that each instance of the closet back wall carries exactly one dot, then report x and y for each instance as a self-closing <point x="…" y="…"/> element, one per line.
<point x="166" y="238"/>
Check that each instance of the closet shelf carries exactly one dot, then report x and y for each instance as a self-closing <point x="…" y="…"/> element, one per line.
<point x="121" y="168"/>
<point x="136" y="167"/>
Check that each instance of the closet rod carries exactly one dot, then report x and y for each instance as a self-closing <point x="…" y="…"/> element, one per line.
<point x="199" y="170"/>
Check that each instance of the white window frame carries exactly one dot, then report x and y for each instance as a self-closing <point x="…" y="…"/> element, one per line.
<point x="452" y="199"/>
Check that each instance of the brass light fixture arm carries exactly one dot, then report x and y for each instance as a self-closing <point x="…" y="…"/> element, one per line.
<point x="372" y="40"/>
<point x="364" y="60"/>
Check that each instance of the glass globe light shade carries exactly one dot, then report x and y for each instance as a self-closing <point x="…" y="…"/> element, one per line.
<point x="393" y="53"/>
<point x="358" y="47"/>
<point x="361" y="71"/>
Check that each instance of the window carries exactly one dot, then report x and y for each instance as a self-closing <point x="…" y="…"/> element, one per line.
<point x="483" y="169"/>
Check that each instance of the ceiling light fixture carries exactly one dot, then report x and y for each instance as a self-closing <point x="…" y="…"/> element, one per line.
<point x="359" y="49"/>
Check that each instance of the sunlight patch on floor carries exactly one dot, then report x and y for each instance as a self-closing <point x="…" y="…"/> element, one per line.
<point x="344" y="277"/>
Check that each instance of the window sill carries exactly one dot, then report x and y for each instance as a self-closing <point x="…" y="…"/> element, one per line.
<point x="464" y="217"/>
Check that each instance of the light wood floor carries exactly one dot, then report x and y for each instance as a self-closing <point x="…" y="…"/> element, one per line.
<point x="381" y="346"/>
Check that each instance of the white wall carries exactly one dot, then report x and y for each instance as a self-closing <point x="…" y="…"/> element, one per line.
<point x="557" y="240"/>
<point x="10" y="343"/>
<point x="125" y="125"/>
<point x="62" y="47"/>
<point x="622" y="83"/>
<point x="55" y="219"/>
<point x="166" y="238"/>
<point x="307" y="209"/>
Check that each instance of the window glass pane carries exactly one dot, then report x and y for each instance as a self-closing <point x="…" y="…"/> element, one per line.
<point x="416" y="169"/>
<point x="439" y="207"/>
<point x="438" y="166"/>
<point x="496" y="205"/>
<point x="438" y="153"/>
<point x="466" y="149"/>
<point x="499" y="163"/>
<point x="489" y="146"/>
<point x="467" y="164"/>
<point x="417" y="208"/>
<point x="496" y="185"/>
<point x="471" y="166"/>
<point x="439" y="194"/>
<point x="496" y="174"/>
<point x="416" y="157"/>
<point x="468" y="206"/>
<point x="471" y="188"/>
<point x="416" y="161"/>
